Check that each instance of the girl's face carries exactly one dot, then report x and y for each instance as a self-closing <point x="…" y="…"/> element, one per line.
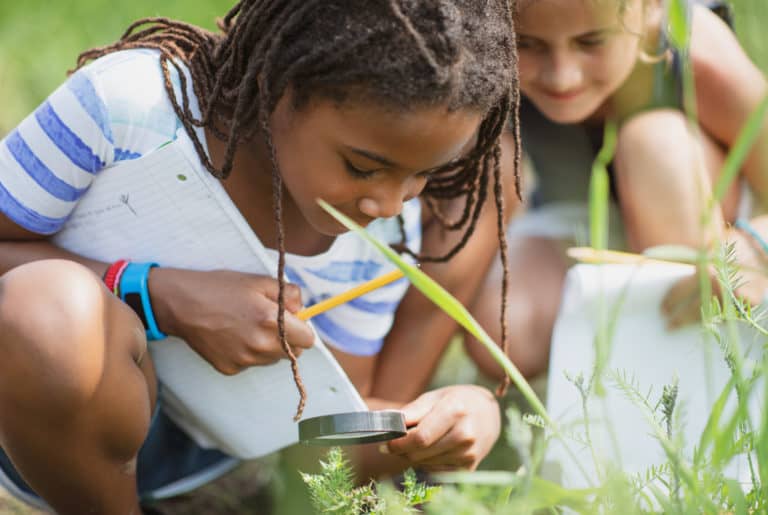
<point x="574" y="54"/>
<point x="364" y="160"/>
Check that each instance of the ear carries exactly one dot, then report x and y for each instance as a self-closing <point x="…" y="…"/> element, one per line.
<point x="653" y="18"/>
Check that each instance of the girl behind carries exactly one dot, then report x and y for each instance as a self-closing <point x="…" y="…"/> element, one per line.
<point x="581" y="63"/>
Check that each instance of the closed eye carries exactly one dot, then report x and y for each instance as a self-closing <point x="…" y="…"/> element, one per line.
<point x="595" y="38"/>
<point x="357" y="172"/>
<point x="527" y="43"/>
<point x="591" y="42"/>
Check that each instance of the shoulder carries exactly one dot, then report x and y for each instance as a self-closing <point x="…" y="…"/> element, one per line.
<point x="728" y="84"/>
<point x="716" y="54"/>
<point x="726" y="78"/>
<point x="711" y="38"/>
<point x="129" y="75"/>
<point x="130" y="87"/>
<point x="114" y="109"/>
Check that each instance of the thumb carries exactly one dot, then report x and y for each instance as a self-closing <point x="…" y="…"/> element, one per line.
<point x="679" y="294"/>
<point x="418" y="409"/>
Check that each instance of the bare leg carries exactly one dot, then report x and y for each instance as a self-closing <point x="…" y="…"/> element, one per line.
<point x="77" y="387"/>
<point x="537" y="271"/>
<point x="664" y="177"/>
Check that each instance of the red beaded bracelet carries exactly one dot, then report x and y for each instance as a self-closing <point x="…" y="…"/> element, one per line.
<point x="112" y="275"/>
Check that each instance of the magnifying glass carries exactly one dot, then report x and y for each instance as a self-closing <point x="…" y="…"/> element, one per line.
<point x="356" y="427"/>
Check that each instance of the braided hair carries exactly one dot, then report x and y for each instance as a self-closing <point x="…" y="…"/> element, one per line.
<point x="401" y="54"/>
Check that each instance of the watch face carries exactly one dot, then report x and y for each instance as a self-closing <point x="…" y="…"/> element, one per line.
<point x="134" y="301"/>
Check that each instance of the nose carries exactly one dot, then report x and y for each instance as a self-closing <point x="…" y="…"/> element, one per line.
<point x="386" y="200"/>
<point x="562" y="72"/>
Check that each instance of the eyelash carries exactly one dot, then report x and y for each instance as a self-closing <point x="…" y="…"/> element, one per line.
<point x="356" y="172"/>
<point x="370" y="174"/>
<point x="525" y="45"/>
<point x="591" y="43"/>
<point x="586" y="43"/>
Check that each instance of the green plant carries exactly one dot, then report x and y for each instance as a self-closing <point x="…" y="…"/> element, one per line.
<point x="333" y="491"/>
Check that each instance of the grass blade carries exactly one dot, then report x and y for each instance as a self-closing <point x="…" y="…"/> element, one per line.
<point x="450" y="305"/>
<point x="599" y="190"/>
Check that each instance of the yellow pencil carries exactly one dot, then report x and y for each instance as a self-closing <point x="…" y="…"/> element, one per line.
<point x="341" y="298"/>
<point x="590" y="255"/>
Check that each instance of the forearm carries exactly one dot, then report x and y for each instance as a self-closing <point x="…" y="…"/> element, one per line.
<point x="422" y="331"/>
<point x="729" y="87"/>
<point x="16" y="253"/>
<point x="19" y="246"/>
<point x="413" y="350"/>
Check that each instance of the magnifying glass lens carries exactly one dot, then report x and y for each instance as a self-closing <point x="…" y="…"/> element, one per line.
<point x="352" y="428"/>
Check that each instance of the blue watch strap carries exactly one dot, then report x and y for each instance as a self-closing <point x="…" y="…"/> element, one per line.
<point x="134" y="282"/>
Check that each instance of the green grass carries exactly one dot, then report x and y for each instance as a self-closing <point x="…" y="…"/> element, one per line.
<point x="40" y="41"/>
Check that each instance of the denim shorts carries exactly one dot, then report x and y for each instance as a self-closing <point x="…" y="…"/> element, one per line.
<point x="170" y="463"/>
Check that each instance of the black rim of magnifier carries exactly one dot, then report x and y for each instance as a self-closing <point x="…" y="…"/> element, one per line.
<point x="345" y="428"/>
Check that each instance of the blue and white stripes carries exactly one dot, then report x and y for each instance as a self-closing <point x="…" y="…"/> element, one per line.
<point x="82" y="88"/>
<point x="359" y="326"/>
<point x="48" y="162"/>
<point x="46" y="165"/>
<point x="38" y="171"/>
<point x="117" y="109"/>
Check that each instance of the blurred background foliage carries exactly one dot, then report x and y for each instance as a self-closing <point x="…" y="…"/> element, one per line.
<point x="40" y="39"/>
<point x="751" y="20"/>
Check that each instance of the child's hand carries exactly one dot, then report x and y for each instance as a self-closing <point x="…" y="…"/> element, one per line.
<point x="450" y="428"/>
<point x="682" y="303"/>
<point x="229" y="318"/>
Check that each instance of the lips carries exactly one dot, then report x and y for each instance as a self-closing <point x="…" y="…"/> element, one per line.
<point x="563" y="95"/>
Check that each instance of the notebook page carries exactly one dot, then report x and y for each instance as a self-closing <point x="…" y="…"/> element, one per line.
<point x="162" y="208"/>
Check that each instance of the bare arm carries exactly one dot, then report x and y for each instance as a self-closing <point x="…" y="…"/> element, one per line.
<point x="19" y="246"/>
<point x="231" y="325"/>
<point x="422" y="331"/>
<point x="728" y="88"/>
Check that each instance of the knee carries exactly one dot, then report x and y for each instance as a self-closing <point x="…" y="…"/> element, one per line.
<point x="52" y="328"/>
<point x="651" y="132"/>
<point x="654" y="152"/>
<point x="528" y="334"/>
<point x="649" y="138"/>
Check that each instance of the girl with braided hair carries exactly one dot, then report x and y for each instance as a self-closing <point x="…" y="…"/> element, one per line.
<point x="583" y="62"/>
<point x="376" y="107"/>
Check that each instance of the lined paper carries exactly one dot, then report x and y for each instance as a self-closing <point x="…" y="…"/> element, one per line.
<point x="163" y="208"/>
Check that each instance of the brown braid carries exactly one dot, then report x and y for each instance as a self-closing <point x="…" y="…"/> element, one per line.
<point x="401" y="54"/>
<point x="517" y="157"/>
